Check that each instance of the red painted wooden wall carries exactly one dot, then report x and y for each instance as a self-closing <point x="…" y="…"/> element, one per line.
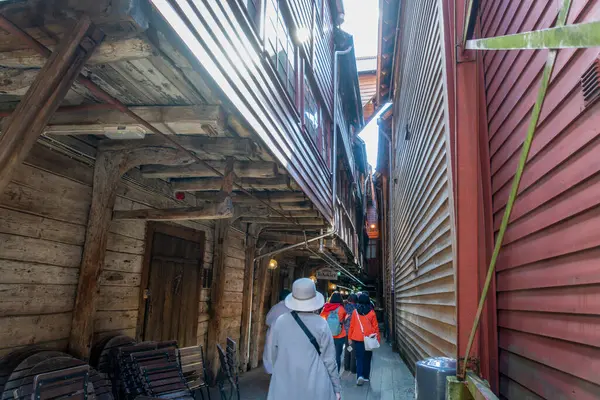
<point x="548" y="273"/>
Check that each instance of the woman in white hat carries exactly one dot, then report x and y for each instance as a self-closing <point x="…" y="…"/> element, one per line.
<point x="302" y="349"/>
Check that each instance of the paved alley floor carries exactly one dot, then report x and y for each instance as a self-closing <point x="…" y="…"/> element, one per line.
<point x="390" y="380"/>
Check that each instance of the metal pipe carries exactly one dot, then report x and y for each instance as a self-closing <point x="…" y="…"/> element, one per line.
<point x="325" y="257"/>
<point x="334" y="159"/>
<point x="11" y="28"/>
<point x="294" y="246"/>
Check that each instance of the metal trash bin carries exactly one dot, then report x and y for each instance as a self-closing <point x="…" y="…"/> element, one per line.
<point x="430" y="377"/>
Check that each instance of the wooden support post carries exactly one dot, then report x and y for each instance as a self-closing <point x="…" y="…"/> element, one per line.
<point x="262" y="280"/>
<point x="244" y="345"/>
<point x="110" y="166"/>
<point x="217" y="297"/>
<point x="45" y="95"/>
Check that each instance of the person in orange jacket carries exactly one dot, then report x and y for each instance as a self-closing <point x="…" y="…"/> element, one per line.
<point x="367" y="317"/>
<point x="335" y="315"/>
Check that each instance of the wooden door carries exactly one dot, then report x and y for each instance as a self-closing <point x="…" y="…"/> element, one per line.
<point x="173" y="289"/>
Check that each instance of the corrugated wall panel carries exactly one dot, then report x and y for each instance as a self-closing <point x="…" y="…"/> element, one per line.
<point x="548" y="279"/>
<point x="424" y="285"/>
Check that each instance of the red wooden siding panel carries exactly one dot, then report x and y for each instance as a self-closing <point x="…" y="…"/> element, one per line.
<point x="548" y="279"/>
<point x="221" y="46"/>
<point x="424" y="285"/>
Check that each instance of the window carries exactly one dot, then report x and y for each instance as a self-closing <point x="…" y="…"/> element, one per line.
<point x="253" y="8"/>
<point x="312" y="116"/>
<point x="280" y="47"/>
<point x="372" y="250"/>
<point x="206" y="278"/>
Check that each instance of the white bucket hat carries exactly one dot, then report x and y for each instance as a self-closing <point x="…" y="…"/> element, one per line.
<point x="304" y="296"/>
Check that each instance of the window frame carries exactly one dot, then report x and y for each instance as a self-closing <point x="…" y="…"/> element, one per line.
<point x="273" y="54"/>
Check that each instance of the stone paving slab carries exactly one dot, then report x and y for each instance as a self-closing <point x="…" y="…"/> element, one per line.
<point x="391" y="380"/>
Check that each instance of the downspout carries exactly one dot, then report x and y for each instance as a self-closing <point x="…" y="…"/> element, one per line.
<point x="334" y="226"/>
<point x="335" y="136"/>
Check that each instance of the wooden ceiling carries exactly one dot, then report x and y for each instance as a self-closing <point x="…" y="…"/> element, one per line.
<point x="138" y="66"/>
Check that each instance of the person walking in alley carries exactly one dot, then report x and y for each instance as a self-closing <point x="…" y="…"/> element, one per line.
<point x="275" y="312"/>
<point x="363" y="322"/>
<point x="302" y="351"/>
<point x="349" y="307"/>
<point x="335" y="315"/>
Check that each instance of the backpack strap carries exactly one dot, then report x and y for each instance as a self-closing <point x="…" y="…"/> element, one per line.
<point x="306" y="331"/>
<point x="360" y="323"/>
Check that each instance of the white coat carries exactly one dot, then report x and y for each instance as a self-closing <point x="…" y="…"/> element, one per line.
<point x="299" y="373"/>
<point x="275" y="312"/>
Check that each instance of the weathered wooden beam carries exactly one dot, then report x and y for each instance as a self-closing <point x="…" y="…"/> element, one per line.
<point x="266" y="213"/>
<point x="216" y="333"/>
<point x="281" y="221"/>
<point x="210" y="211"/>
<point x="242" y="169"/>
<point x="208" y="147"/>
<point x="280" y="182"/>
<point x="109" y="167"/>
<point x="272" y="197"/>
<point x="183" y="120"/>
<point x="45" y="95"/>
<point x="228" y="177"/>
<point x="244" y="345"/>
<point x="107" y="52"/>
<point x="258" y="309"/>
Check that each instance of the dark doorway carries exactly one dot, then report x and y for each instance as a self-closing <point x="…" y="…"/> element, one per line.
<point x="173" y="279"/>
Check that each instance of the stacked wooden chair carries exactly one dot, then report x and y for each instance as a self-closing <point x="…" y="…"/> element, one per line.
<point x="51" y="375"/>
<point x="125" y="370"/>
<point x="228" y="374"/>
<point x="193" y="367"/>
<point x="150" y="370"/>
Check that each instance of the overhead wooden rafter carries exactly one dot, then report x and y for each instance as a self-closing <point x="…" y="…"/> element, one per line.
<point x="281" y="182"/>
<point x="45" y="95"/>
<point x="210" y="211"/>
<point x="204" y="145"/>
<point x="109" y="51"/>
<point x="182" y="120"/>
<point x="242" y="169"/>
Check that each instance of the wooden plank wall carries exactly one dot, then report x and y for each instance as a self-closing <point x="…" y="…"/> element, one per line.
<point x="43" y="217"/>
<point x="422" y="250"/>
<point x="547" y="272"/>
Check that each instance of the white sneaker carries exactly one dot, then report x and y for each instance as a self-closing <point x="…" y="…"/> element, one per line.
<point x="366" y="380"/>
<point x="360" y="381"/>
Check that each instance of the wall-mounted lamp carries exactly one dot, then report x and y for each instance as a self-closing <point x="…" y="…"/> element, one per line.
<point x="372" y="226"/>
<point x="302" y="35"/>
<point x="273" y="263"/>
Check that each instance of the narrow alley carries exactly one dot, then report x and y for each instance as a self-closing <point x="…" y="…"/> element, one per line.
<point x="169" y="169"/>
<point x="390" y="380"/>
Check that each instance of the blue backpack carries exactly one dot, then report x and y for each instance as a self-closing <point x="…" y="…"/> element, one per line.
<point x="333" y="320"/>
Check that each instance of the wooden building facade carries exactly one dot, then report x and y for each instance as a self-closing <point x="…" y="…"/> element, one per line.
<point x="168" y="145"/>
<point x="459" y="121"/>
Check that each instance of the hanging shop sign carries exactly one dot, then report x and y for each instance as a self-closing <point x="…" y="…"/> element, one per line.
<point x="328" y="274"/>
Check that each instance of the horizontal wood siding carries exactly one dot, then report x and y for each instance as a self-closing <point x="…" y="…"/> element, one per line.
<point x="424" y="286"/>
<point x="43" y="218"/>
<point x="548" y="277"/>
<point x="213" y="35"/>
